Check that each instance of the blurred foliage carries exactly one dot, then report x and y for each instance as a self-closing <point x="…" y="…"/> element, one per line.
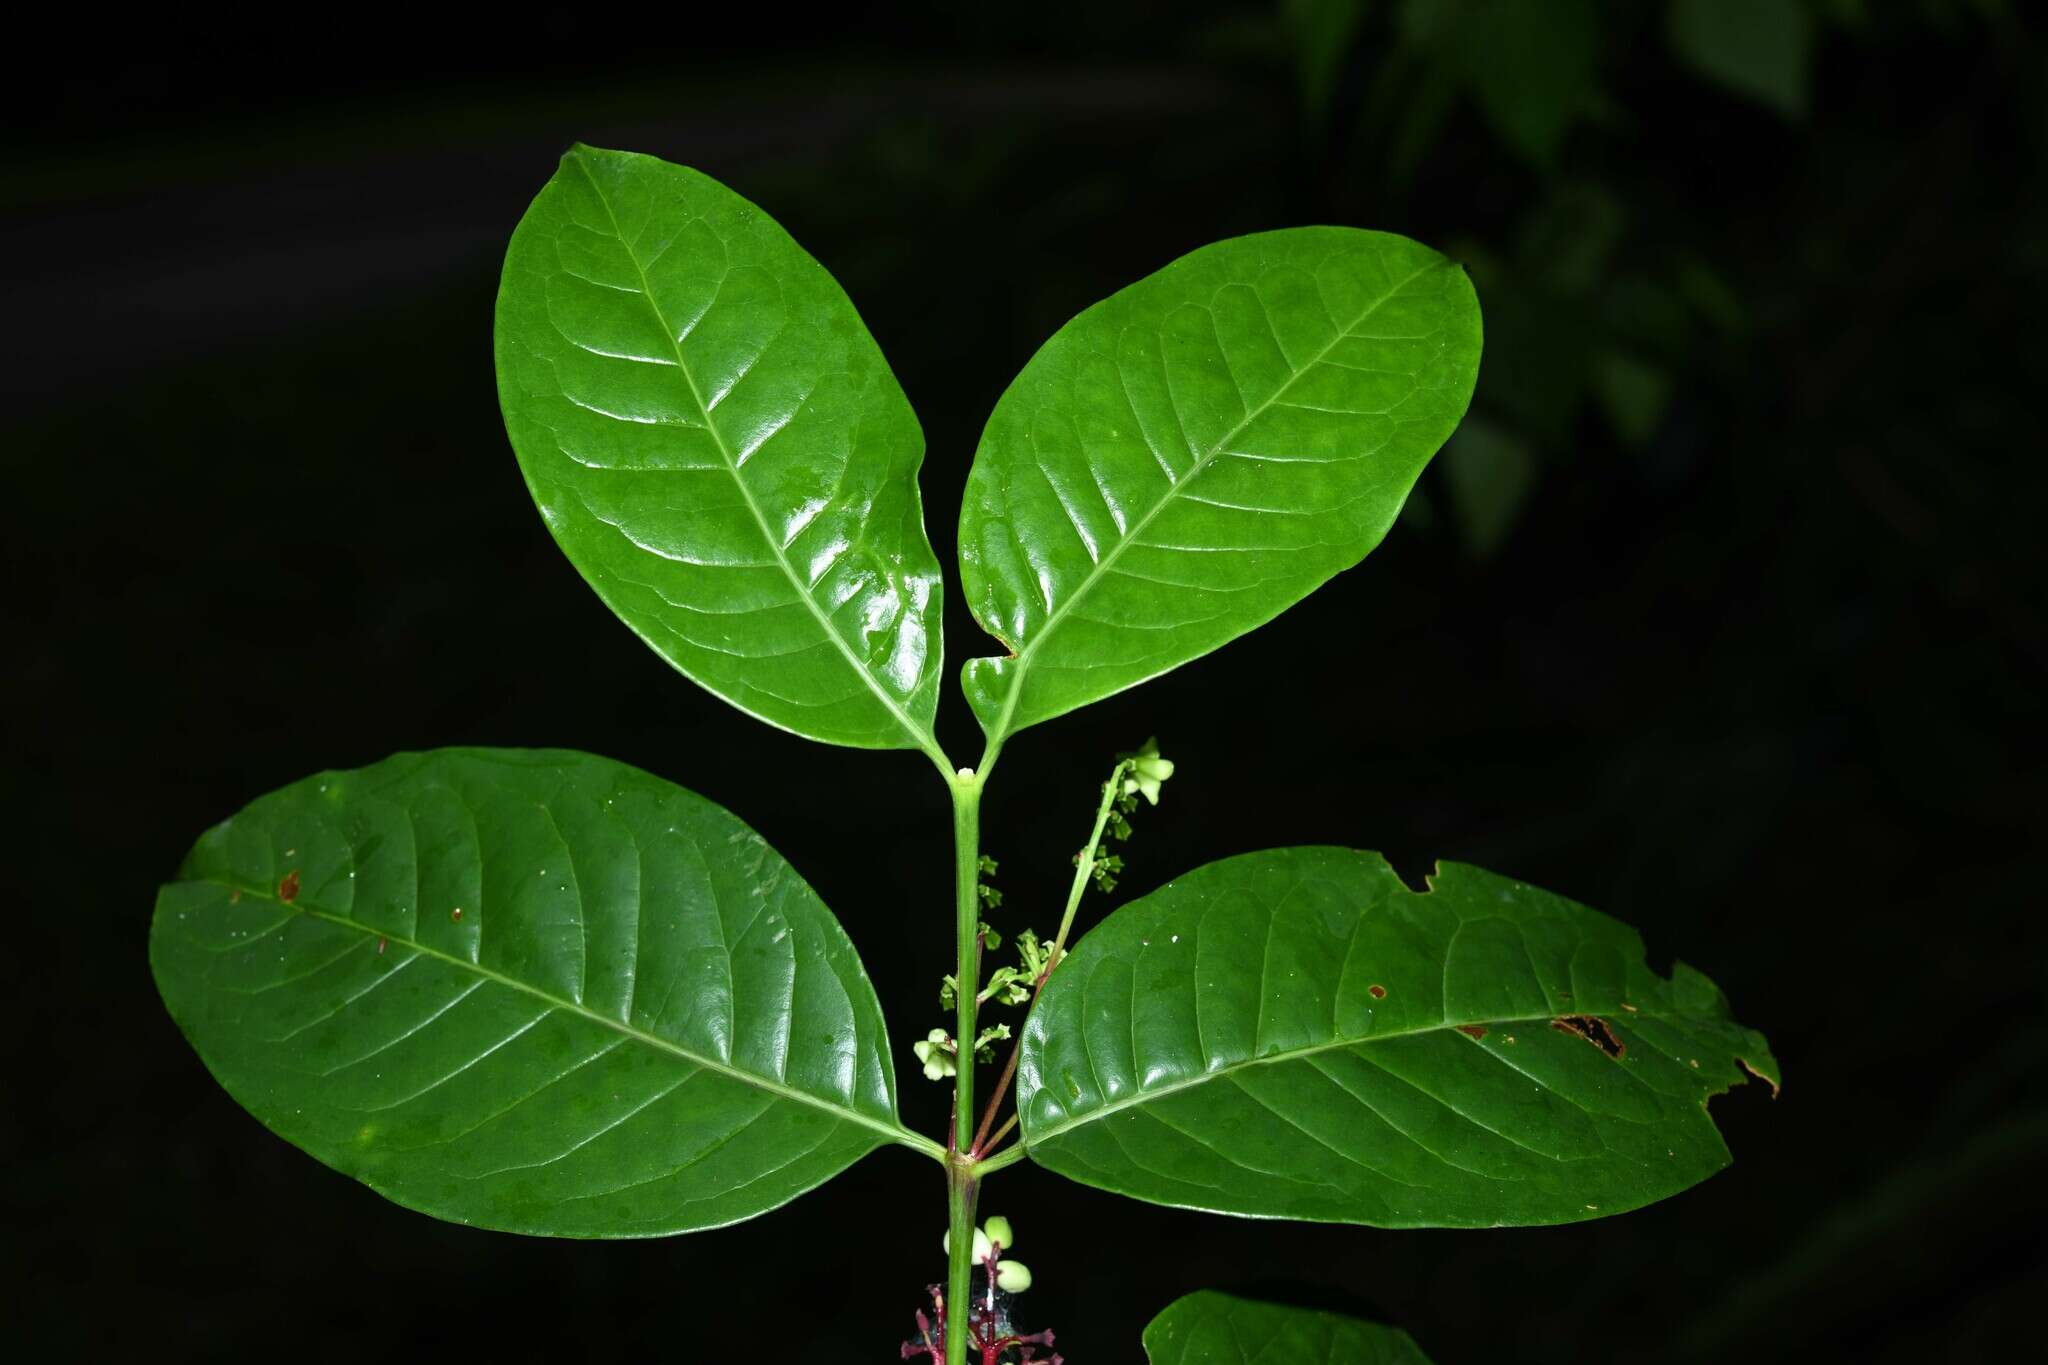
<point x="1597" y="257"/>
<point x="1757" y="48"/>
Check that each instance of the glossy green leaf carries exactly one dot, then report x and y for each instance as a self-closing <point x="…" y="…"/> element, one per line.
<point x="720" y="449"/>
<point x="1195" y="454"/>
<point x="1296" y="1034"/>
<point x="1208" y="1328"/>
<point x="529" y="990"/>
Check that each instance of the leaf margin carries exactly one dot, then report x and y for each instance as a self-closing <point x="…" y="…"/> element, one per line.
<point x="1686" y="985"/>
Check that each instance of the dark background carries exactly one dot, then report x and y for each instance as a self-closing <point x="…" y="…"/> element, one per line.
<point x="1723" y="614"/>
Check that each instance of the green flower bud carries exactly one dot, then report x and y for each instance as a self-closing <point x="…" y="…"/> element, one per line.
<point x="984" y="1046"/>
<point x="998" y="1230"/>
<point x="1013" y="1277"/>
<point x="1032" y="953"/>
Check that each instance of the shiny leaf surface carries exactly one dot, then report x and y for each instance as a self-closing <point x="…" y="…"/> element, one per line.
<point x="717" y="444"/>
<point x="1208" y="1328"/>
<point x="536" y="991"/>
<point x="1195" y="454"/>
<point x="1296" y="1034"/>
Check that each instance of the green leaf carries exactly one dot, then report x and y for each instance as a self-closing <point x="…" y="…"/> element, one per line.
<point x="530" y="990"/>
<point x="1208" y="1328"/>
<point x="1296" y="1034"/>
<point x="718" y="446"/>
<point x="1757" y="48"/>
<point x="1195" y="454"/>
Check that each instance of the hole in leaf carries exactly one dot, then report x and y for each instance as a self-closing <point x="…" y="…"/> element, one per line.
<point x="1594" y="1030"/>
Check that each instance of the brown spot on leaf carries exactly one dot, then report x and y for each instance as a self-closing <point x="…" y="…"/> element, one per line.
<point x="1594" y="1030"/>
<point x="235" y="896"/>
<point x="455" y="914"/>
<point x="380" y="946"/>
<point x="1630" y="1008"/>
<point x="1376" y="992"/>
<point x="288" y="889"/>
<point x="1472" y="1030"/>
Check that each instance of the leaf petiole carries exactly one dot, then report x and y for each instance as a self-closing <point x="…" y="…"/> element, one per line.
<point x="1009" y="1156"/>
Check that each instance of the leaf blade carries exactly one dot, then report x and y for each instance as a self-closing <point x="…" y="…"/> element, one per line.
<point x="1193" y="455"/>
<point x="326" y="952"/>
<point x="716" y="442"/>
<point x="1209" y="1328"/>
<point x="1480" y="1054"/>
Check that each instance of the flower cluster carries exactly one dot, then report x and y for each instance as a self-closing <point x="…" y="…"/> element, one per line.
<point x="1139" y="774"/>
<point x="991" y="1337"/>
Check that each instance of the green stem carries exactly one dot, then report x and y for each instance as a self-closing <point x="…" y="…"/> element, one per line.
<point x="1084" y="866"/>
<point x="967" y="942"/>
<point x="961" y="1181"/>
<point x="962" y="1185"/>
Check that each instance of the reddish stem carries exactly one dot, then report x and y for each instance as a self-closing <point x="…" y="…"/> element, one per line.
<point x="1002" y="1086"/>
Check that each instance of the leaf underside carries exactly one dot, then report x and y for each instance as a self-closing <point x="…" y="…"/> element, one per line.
<point x="1208" y="1328"/>
<point x="1296" y="1034"/>
<point x="720" y="449"/>
<point x="1195" y="454"/>
<point x="529" y="990"/>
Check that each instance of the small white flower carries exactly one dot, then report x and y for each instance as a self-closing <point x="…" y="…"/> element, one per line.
<point x="1148" y="771"/>
<point x="936" y="1052"/>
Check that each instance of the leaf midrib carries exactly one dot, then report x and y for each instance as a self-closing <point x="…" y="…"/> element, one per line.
<point x="1144" y="1096"/>
<point x="1103" y="565"/>
<point x="895" y="1133"/>
<point x="921" y="737"/>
